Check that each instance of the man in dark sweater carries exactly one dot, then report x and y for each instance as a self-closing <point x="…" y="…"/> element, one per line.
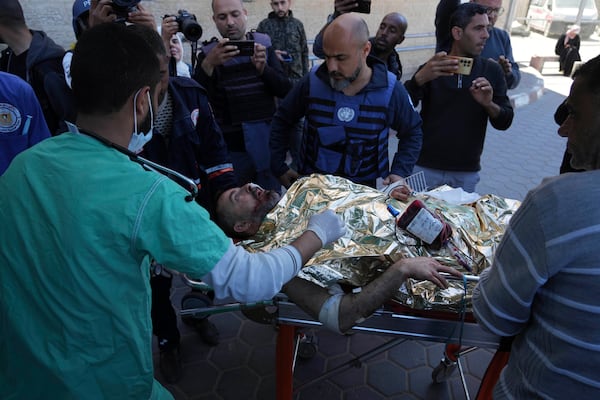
<point x="390" y="34"/>
<point x="456" y="107"/>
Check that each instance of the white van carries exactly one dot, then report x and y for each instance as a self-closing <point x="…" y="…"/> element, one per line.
<point x="553" y="17"/>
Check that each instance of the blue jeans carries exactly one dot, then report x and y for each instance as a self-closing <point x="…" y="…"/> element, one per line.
<point x="438" y="177"/>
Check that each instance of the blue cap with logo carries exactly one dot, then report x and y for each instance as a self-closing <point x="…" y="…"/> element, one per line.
<point x="81" y="11"/>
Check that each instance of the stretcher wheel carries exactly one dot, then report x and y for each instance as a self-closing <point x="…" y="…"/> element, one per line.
<point x="192" y="300"/>
<point x="443" y="371"/>
<point x="307" y="346"/>
<point x="306" y="351"/>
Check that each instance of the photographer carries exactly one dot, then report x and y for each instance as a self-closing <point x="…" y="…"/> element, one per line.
<point x="170" y="31"/>
<point x="122" y="11"/>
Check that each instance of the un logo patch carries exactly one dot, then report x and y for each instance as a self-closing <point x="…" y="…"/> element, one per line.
<point x="345" y="114"/>
<point x="10" y="118"/>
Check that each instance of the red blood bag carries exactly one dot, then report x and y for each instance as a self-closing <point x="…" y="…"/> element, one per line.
<point x="425" y="225"/>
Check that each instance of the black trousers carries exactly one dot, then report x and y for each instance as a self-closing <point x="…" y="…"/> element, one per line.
<point x="164" y="319"/>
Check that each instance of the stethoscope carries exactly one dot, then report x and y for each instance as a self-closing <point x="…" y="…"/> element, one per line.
<point x="146" y="164"/>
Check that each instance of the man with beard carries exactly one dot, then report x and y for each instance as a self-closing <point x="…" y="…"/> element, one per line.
<point x="456" y="106"/>
<point x="81" y="222"/>
<point x="350" y="103"/>
<point x="287" y="37"/>
<point x="240" y="211"/>
<point x="289" y="41"/>
<point x="383" y="46"/>
<point x="543" y="285"/>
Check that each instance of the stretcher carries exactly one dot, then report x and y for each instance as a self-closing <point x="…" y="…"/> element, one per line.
<point x="460" y="332"/>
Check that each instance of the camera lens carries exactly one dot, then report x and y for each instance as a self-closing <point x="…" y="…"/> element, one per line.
<point x="189" y="26"/>
<point x="191" y="30"/>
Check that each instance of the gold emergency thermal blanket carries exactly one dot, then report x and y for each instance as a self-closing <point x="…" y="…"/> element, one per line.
<point x="373" y="241"/>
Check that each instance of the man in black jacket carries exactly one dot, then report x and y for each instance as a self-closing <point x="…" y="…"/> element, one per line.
<point x="457" y="104"/>
<point x="34" y="57"/>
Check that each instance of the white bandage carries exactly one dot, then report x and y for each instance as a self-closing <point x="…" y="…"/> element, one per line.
<point x="329" y="314"/>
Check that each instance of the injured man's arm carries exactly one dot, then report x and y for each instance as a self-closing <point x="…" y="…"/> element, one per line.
<point x="339" y="311"/>
<point x="240" y="212"/>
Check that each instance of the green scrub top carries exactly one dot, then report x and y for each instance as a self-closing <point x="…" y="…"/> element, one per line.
<point x="80" y="224"/>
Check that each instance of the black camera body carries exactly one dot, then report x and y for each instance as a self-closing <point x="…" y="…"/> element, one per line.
<point x="122" y="8"/>
<point x="188" y="25"/>
<point x="364" y="6"/>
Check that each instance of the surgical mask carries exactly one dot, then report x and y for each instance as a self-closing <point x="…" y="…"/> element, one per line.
<point x="139" y="139"/>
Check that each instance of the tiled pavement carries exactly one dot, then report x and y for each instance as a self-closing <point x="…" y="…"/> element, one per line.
<point x="242" y="366"/>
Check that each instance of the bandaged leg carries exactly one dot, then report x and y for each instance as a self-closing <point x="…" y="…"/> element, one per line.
<point x="329" y="314"/>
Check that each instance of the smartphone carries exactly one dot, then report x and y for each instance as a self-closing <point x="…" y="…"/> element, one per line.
<point x="246" y="47"/>
<point x="364" y="6"/>
<point x="286" y="58"/>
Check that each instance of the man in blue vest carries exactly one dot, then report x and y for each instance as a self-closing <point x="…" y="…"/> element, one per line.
<point x="242" y="89"/>
<point x="350" y="102"/>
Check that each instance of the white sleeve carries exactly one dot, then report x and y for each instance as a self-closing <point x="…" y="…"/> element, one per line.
<point x="248" y="277"/>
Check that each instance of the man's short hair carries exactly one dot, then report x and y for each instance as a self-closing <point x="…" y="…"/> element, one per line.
<point x="590" y="72"/>
<point x="11" y="14"/>
<point x="111" y="62"/>
<point x="464" y="13"/>
<point x="151" y="37"/>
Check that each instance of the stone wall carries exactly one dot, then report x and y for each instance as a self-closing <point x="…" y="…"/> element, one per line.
<point x="54" y="17"/>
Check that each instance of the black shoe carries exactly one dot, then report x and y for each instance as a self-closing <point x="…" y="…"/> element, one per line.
<point x="208" y="331"/>
<point x="170" y="365"/>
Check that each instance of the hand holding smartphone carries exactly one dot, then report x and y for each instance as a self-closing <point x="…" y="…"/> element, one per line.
<point x="246" y="47"/>
<point x="364" y="6"/>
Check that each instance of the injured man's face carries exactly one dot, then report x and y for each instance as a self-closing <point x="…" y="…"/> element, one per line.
<point x="240" y="211"/>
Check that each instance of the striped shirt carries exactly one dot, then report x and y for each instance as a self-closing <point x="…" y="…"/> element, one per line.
<point x="544" y="289"/>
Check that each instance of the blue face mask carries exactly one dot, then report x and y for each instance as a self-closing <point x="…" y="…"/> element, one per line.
<point x="139" y="139"/>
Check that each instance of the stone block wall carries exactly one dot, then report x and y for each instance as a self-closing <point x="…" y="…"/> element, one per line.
<point x="54" y="17"/>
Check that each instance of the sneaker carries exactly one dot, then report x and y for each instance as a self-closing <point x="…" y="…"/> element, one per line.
<point x="208" y="331"/>
<point x="170" y="365"/>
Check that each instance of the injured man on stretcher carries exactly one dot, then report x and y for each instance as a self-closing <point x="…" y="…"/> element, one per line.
<point x="380" y="257"/>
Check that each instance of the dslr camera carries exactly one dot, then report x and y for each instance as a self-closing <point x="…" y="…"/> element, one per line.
<point x="188" y="25"/>
<point x="122" y="8"/>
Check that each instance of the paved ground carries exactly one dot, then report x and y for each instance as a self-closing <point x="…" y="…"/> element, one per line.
<point x="243" y="365"/>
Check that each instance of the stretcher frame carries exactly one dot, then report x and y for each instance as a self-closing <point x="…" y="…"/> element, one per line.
<point x="392" y="319"/>
<point x="389" y="321"/>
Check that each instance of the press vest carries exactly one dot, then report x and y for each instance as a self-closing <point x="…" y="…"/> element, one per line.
<point x="347" y="135"/>
<point x="245" y="95"/>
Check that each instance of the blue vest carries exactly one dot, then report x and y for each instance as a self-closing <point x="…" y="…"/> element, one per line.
<point x="346" y="135"/>
<point x="244" y="92"/>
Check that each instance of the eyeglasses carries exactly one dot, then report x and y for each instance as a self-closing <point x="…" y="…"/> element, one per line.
<point x="498" y="11"/>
